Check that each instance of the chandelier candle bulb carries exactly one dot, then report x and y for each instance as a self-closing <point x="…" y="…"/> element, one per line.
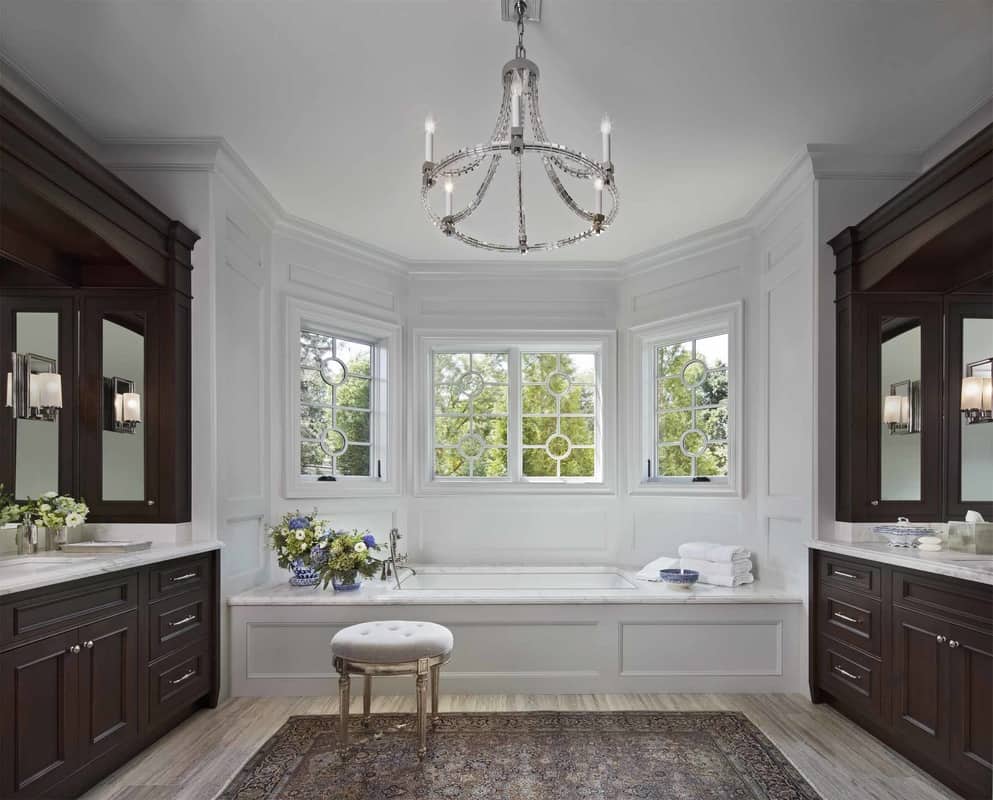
<point x="429" y="139"/>
<point x="516" y="90"/>
<point x="605" y="127"/>
<point x="598" y="197"/>
<point x="449" y="191"/>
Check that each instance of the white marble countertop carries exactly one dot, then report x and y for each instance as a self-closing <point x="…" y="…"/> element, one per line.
<point x="377" y="592"/>
<point x="19" y="573"/>
<point x="951" y="563"/>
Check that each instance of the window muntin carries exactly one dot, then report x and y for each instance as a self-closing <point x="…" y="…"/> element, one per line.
<point x="471" y="392"/>
<point x="336" y="406"/>
<point x="558" y="415"/>
<point x="691" y="433"/>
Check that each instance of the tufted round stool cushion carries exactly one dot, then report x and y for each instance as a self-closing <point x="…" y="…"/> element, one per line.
<point x="391" y="642"/>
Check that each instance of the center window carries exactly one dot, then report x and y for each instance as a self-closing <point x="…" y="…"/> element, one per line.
<point x="521" y="414"/>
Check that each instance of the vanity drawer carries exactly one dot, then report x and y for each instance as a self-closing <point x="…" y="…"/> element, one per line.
<point x="176" y="577"/>
<point x="850" y="575"/>
<point x="46" y="612"/>
<point x="945" y="597"/>
<point x="176" y="681"/>
<point x="177" y="621"/>
<point x="850" y="676"/>
<point x="852" y="618"/>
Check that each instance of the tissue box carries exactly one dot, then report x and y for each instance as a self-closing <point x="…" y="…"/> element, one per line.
<point x="971" y="537"/>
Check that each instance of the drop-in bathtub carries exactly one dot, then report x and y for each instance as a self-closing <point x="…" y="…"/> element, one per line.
<point x="515" y="579"/>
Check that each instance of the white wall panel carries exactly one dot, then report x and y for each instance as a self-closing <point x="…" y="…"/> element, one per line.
<point x="702" y="648"/>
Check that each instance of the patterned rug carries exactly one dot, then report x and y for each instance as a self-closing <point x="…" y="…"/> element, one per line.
<point x="540" y="755"/>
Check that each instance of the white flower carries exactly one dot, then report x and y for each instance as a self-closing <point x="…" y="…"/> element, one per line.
<point x="360" y="547"/>
<point x="50" y="494"/>
<point x="44" y="507"/>
<point x="301" y="536"/>
<point x="73" y="519"/>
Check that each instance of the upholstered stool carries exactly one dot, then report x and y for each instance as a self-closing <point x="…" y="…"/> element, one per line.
<point x="391" y="648"/>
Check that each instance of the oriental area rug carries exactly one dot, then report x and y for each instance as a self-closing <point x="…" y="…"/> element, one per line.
<point x="538" y="755"/>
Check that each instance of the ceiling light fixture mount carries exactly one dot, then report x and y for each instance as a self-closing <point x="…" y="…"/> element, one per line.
<point x="519" y="111"/>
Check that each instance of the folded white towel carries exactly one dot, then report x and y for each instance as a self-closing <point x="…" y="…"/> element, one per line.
<point x="650" y="572"/>
<point x="740" y="566"/>
<point x="708" y="551"/>
<point x="726" y="580"/>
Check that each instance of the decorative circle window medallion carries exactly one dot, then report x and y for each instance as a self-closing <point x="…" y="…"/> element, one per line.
<point x="471" y="446"/>
<point x="471" y="384"/>
<point x="693" y="443"/>
<point x="333" y="370"/>
<point x="694" y="373"/>
<point x="333" y="442"/>
<point x="558" y="383"/>
<point x="558" y="446"/>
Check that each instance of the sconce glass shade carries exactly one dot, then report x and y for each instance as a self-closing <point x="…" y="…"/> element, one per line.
<point x="50" y="389"/>
<point x="118" y="408"/>
<point x="987" y="394"/>
<point x="132" y="407"/>
<point x="10" y="390"/>
<point x="894" y="409"/>
<point x="972" y="393"/>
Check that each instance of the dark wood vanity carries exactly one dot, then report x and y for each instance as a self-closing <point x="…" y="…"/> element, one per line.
<point x="92" y="671"/>
<point x="907" y="653"/>
<point x="95" y="285"/>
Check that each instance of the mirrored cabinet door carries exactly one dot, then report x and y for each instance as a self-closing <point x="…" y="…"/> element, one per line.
<point x="119" y="373"/>
<point x="38" y="384"/>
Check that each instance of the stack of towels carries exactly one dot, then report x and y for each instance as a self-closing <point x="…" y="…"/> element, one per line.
<point x="718" y="564"/>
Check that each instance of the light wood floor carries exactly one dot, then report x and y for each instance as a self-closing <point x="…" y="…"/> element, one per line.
<point x="195" y="761"/>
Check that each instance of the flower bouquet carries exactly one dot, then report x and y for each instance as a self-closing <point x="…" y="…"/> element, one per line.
<point x="343" y="557"/>
<point x="295" y="539"/>
<point x="10" y="512"/>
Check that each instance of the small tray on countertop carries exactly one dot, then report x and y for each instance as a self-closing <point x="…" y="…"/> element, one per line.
<point x="105" y="547"/>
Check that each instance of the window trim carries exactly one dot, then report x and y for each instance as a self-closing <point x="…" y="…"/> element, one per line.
<point x="386" y="411"/>
<point x="427" y="342"/>
<point x="644" y="404"/>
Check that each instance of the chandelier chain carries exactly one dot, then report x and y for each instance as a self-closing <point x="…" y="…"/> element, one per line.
<point x="521" y="8"/>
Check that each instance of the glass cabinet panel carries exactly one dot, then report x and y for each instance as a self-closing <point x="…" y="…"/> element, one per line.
<point x="975" y="425"/>
<point x="900" y="434"/>
<point x="36" y="456"/>
<point x="123" y="434"/>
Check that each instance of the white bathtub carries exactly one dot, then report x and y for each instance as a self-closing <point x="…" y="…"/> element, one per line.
<point x="515" y="579"/>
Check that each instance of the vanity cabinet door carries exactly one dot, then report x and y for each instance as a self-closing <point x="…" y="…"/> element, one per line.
<point x="108" y="684"/>
<point x="971" y="701"/>
<point x="920" y="672"/>
<point x="38" y="695"/>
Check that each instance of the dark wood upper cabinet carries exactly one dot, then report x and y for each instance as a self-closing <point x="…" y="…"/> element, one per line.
<point x="97" y="280"/>
<point x="914" y="302"/>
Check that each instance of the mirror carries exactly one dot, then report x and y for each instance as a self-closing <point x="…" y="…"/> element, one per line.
<point x="36" y="437"/>
<point x="976" y="427"/>
<point x="900" y="376"/>
<point x="123" y="365"/>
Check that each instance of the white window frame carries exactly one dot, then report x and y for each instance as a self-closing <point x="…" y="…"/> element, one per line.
<point x="644" y="339"/>
<point x="602" y="343"/>
<point x="386" y="411"/>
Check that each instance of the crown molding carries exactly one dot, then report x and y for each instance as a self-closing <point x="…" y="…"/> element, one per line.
<point x="978" y="117"/>
<point x="696" y="244"/>
<point x="518" y="270"/>
<point x="339" y="244"/>
<point x="829" y="161"/>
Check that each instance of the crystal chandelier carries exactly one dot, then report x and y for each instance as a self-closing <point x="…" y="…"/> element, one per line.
<point x="520" y="103"/>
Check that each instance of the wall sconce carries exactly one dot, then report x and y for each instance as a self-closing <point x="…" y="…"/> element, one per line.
<point x="901" y="408"/>
<point x="977" y="392"/>
<point x="121" y="405"/>
<point x="34" y="387"/>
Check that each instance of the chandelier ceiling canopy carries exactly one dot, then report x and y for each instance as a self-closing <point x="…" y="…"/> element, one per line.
<point x="519" y="132"/>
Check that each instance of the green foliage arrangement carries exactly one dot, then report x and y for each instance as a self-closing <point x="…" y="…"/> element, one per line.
<point x="54" y="510"/>
<point x="346" y="555"/>
<point x="295" y="537"/>
<point x="9" y="510"/>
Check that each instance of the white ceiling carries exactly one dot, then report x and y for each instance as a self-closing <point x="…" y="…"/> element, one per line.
<point x="326" y="100"/>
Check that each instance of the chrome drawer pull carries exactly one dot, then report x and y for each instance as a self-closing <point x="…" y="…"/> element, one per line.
<point x="185" y="577"/>
<point x="847" y="674"/>
<point x="847" y="618"/>
<point x="845" y="574"/>
<point x="182" y="621"/>
<point x="182" y="678"/>
<point x="941" y="639"/>
<point x="953" y="644"/>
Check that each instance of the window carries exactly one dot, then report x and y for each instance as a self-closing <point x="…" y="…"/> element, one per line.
<point x="342" y="404"/>
<point x="529" y="414"/>
<point x="688" y="370"/>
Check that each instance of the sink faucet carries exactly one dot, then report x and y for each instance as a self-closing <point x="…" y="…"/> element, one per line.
<point x="394" y="562"/>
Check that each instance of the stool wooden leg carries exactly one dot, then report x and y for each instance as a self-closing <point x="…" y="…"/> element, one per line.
<point x="435" y="678"/>
<point x="366" y="700"/>
<point x="344" y="699"/>
<point x="422" y="701"/>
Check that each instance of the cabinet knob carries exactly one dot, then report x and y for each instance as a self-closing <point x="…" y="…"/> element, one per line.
<point x="941" y="639"/>
<point x="74" y="649"/>
<point x="151" y="502"/>
<point x="874" y="503"/>
<point x="88" y="645"/>
<point x="953" y="643"/>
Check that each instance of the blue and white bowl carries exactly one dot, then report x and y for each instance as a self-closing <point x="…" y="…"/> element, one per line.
<point x="679" y="578"/>
<point x="902" y="535"/>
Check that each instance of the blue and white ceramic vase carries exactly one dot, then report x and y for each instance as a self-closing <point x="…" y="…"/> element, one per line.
<point x="345" y="583"/>
<point x="303" y="574"/>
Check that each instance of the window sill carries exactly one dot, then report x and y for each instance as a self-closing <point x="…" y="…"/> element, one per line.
<point x="455" y="487"/>
<point x="653" y="488"/>
<point x="343" y="488"/>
